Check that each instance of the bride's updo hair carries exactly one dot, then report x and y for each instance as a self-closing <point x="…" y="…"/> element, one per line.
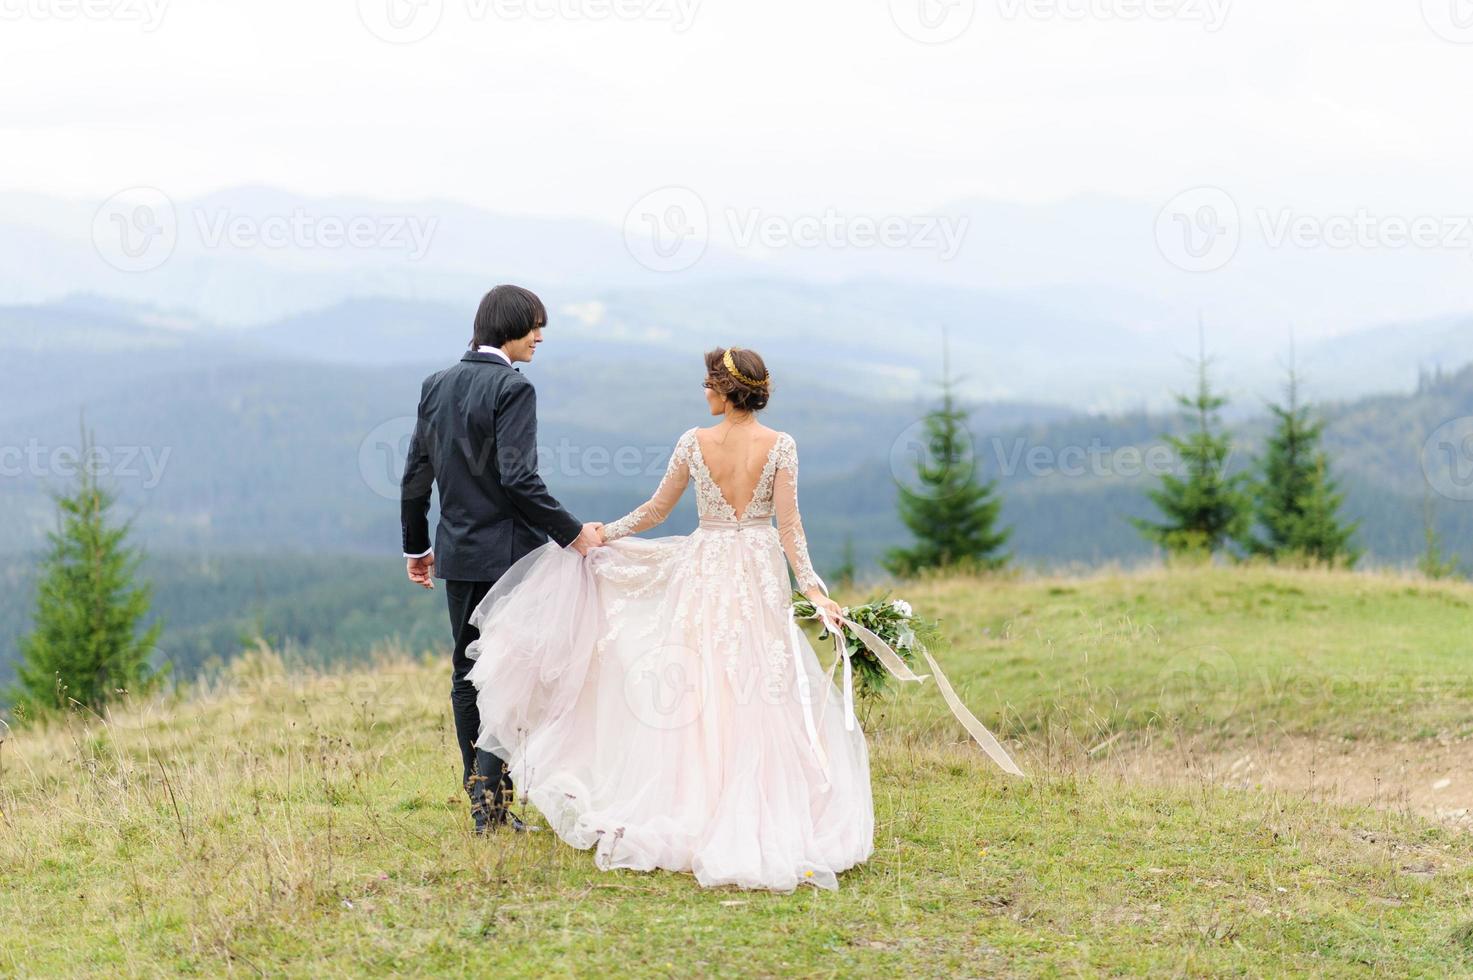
<point x="748" y="387"/>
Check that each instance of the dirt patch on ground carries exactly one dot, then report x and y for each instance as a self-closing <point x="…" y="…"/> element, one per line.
<point x="1433" y="779"/>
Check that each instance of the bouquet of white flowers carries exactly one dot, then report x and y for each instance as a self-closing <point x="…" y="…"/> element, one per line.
<point x="882" y="639"/>
<point x="893" y="621"/>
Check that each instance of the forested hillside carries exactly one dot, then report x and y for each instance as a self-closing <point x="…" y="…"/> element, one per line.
<point x="260" y="467"/>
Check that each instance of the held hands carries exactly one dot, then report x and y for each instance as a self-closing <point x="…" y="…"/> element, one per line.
<point x="592" y="536"/>
<point x="421" y="570"/>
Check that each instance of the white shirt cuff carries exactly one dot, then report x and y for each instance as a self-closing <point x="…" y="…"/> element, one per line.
<point x="420" y="555"/>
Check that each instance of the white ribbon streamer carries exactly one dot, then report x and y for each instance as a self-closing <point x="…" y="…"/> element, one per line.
<point x="806" y="697"/>
<point x="898" y="668"/>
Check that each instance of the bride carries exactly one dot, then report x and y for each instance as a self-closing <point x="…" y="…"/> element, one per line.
<point x="656" y="701"/>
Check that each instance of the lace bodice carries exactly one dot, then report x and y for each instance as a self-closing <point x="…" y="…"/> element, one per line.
<point x="776" y="494"/>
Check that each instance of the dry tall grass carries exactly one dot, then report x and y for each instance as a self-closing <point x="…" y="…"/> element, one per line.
<point x="275" y="819"/>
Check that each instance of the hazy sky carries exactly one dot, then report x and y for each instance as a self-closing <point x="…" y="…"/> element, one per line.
<point x="579" y="107"/>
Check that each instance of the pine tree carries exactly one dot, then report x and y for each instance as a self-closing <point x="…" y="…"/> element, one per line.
<point x="1433" y="562"/>
<point x="1207" y="508"/>
<point x="951" y="513"/>
<point x="1296" y="501"/>
<point x="85" y="645"/>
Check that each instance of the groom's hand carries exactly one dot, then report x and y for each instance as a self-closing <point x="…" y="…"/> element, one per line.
<point x="421" y="570"/>
<point x="592" y="536"/>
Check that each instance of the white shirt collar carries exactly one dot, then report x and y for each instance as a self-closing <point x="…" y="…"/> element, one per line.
<point x="484" y="349"/>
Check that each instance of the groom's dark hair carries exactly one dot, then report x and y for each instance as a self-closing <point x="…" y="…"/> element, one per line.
<point x="507" y="313"/>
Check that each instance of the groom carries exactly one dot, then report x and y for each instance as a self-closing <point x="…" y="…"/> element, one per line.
<point x="475" y="438"/>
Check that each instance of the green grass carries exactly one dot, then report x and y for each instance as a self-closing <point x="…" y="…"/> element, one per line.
<point x="1233" y="652"/>
<point x="310" y="825"/>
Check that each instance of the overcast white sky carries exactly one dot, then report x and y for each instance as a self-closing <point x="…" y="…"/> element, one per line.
<point x="535" y="106"/>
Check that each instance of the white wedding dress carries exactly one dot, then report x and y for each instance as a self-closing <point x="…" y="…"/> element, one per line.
<point x="656" y="702"/>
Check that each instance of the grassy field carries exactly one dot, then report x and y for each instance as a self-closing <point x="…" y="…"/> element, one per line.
<point x="280" y="822"/>
<point x="1230" y="652"/>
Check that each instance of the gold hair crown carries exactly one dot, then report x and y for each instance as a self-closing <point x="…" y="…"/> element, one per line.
<point x="731" y="368"/>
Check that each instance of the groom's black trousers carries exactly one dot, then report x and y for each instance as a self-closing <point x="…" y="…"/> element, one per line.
<point x="488" y="770"/>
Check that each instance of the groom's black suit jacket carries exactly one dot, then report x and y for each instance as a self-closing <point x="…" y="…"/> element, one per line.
<point x="476" y="439"/>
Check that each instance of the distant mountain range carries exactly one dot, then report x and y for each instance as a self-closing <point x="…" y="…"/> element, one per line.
<point x="1092" y="266"/>
<point x="882" y="338"/>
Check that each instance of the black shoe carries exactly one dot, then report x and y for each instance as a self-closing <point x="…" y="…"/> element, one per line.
<point x="503" y="817"/>
<point x="483" y="805"/>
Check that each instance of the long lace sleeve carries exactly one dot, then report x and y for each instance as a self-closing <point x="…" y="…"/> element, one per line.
<point x="789" y="521"/>
<point x="667" y="495"/>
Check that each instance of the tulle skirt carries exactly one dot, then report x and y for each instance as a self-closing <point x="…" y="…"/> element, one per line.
<point x="657" y="704"/>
